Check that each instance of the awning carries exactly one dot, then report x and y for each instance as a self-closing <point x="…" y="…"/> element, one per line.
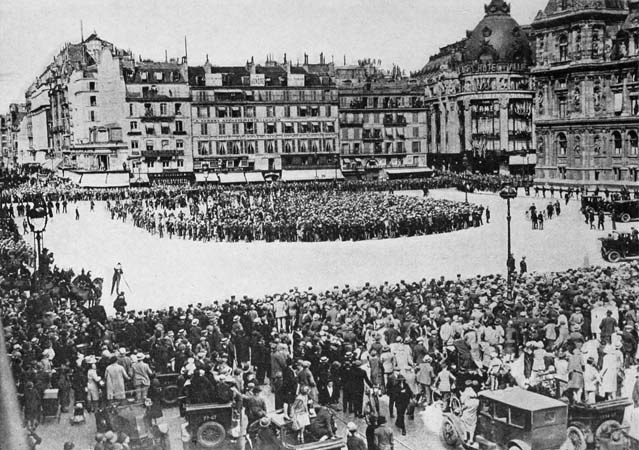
<point x="312" y="174"/>
<point x="518" y="160"/>
<point x="254" y="177"/>
<point x="232" y="178"/>
<point x="104" y="179"/>
<point x="407" y="170"/>
<point x="140" y="179"/>
<point x="202" y="178"/>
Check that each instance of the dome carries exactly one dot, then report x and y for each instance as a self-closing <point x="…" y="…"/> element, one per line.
<point x="559" y="6"/>
<point x="498" y="38"/>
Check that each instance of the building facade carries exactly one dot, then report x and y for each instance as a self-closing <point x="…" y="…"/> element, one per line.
<point x="587" y="91"/>
<point x="383" y="127"/>
<point x="479" y="99"/>
<point x="158" y="121"/>
<point x="264" y="119"/>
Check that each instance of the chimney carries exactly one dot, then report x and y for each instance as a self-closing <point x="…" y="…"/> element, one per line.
<point x="322" y="58"/>
<point x="305" y="59"/>
<point x="344" y="59"/>
<point x="284" y="58"/>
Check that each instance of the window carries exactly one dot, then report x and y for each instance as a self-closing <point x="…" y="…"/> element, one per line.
<point x="159" y="76"/>
<point x="179" y="126"/>
<point x="400" y="147"/>
<point x="180" y="163"/>
<point x="416" y="147"/>
<point x="270" y="111"/>
<point x="618" y="142"/>
<point x="131" y="109"/>
<point x="165" y="144"/>
<point x="329" y="127"/>
<point x="250" y="148"/>
<point x="315" y="127"/>
<point x="144" y="76"/>
<point x="93" y="100"/>
<point x="287" y="111"/>
<point x="148" y="109"/>
<point x="221" y="129"/>
<point x="163" y="109"/>
<point x="518" y="417"/>
<point x="204" y="129"/>
<point x="328" y="111"/>
<point x="562" y="144"/>
<point x="303" y="127"/>
<point x="150" y="164"/>
<point x="415" y="132"/>
<point x="135" y="144"/>
<point x="178" y="109"/>
<point x="289" y="128"/>
<point x="166" y="163"/>
<point x="562" y="107"/>
<point x="236" y="112"/>
<point x="270" y="147"/>
<point x="203" y="147"/>
<point x="270" y="128"/>
<point x="179" y="144"/>
<point x="222" y="112"/>
<point x="133" y="125"/>
<point x="249" y="111"/>
<point x="92" y="85"/>
<point x="92" y="116"/>
<point x="165" y="129"/>
<point x="634" y="106"/>
<point x="149" y="145"/>
<point x="563" y="48"/>
<point x="500" y="412"/>
<point x="315" y="111"/>
<point x="236" y="128"/>
<point x="221" y="149"/>
<point x="249" y="128"/>
<point x="302" y="111"/>
<point x="634" y="143"/>
<point x="415" y="117"/>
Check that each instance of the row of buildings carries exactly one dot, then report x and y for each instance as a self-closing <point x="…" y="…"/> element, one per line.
<point x="558" y="98"/>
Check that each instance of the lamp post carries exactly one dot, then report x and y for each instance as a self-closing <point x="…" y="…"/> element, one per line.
<point x="508" y="193"/>
<point x="465" y="162"/>
<point x="37" y="219"/>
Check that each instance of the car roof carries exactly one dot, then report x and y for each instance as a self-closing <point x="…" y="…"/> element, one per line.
<point x="522" y="399"/>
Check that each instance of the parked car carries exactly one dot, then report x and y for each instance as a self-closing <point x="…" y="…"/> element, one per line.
<point x="131" y="419"/>
<point x="512" y="419"/>
<point x="596" y="202"/>
<point x="619" y="246"/>
<point x="625" y="210"/>
<point x="598" y="425"/>
<point x="210" y="425"/>
<point x="279" y="435"/>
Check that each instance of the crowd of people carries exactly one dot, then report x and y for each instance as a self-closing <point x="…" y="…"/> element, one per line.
<point x="326" y="215"/>
<point x="320" y="351"/>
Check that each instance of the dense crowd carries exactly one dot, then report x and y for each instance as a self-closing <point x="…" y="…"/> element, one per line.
<point x="342" y="348"/>
<point x="289" y="215"/>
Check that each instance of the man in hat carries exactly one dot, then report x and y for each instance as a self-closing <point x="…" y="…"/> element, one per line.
<point x="355" y="384"/>
<point x="354" y="442"/>
<point x="141" y="377"/>
<point x="115" y="376"/>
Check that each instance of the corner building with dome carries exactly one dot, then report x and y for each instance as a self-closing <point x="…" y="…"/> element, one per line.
<point x="480" y="99"/>
<point x="587" y="92"/>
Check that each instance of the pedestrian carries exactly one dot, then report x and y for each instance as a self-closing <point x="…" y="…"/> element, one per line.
<point x="32" y="405"/>
<point x="523" y="266"/>
<point x="470" y="408"/>
<point x="592" y="380"/>
<point x="601" y="219"/>
<point x="115" y="376"/>
<point x="403" y="397"/>
<point x="354" y="442"/>
<point x="141" y="377"/>
<point x="540" y="221"/>
<point x="116" y="278"/>
<point x="424" y="377"/>
<point x="383" y="436"/>
<point x="77" y="213"/>
<point x="487" y="215"/>
<point x="300" y="413"/>
<point x="444" y="382"/>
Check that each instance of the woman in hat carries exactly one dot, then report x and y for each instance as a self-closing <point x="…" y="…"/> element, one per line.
<point x="470" y="407"/>
<point x="300" y="413"/>
<point x="610" y="368"/>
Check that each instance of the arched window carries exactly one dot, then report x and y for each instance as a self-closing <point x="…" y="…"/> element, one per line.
<point x="328" y="146"/>
<point x="250" y="149"/>
<point x="563" y="48"/>
<point x="617" y="142"/>
<point x="633" y="138"/>
<point x="269" y="147"/>
<point x="287" y="147"/>
<point x="302" y="147"/>
<point x="236" y="149"/>
<point x="222" y="150"/>
<point x="562" y="144"/>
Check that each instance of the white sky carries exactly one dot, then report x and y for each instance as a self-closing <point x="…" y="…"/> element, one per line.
<point x="405" y="32"/>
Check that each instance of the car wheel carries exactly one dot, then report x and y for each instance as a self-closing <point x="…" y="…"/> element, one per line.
<point x="577" y="438"/>
<point x="210" y="434"/>
<point x="610" y="429"/>
<point x="614" y="256"/>
<point x="449" y="434"/>
<point x="625" y="217"/>
<point x="170" y="395"/>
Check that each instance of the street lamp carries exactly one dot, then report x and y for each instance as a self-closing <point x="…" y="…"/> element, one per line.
<point x="508" y="193"/>
<point x="37" y="218"/>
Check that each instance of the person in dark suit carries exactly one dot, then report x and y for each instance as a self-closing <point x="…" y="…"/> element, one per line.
<point x="322" y="424"/>
<point x="355" y="384"/>
<point x="402" y="399"/>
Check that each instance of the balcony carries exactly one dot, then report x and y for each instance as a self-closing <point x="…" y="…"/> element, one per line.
<point x="150" y="117"/>
<point x="487" y="136"/>
<point x="395" y="122"/>
<point x="162" y="153"/>
<point x="352" y="124"/>
<point x="520" y="135"/>
<point x="372" y="137"/>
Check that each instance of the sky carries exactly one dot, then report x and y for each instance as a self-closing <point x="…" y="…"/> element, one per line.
<point x="402" y="32"/>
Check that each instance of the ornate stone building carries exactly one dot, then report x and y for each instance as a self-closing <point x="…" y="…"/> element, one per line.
<point x="479" y="98"/>
<point x="587" y="91"/>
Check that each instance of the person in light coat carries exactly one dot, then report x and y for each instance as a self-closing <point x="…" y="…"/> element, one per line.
<point x="141" y="377"/>
<point x="115" y="376"/>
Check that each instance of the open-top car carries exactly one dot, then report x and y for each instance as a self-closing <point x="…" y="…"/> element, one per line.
<point x="512" y="419"/>
<point x="210" y="425"/>
<point x="619" y="246"/>
<point x="275" y="432"/>
<point x="598" y="425"/>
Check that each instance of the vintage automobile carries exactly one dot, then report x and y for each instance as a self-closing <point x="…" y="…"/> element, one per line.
<point x="598" y="425"/>
<point x="130" y="419"/>
<point x="625" y="210"/>
<point x="596" y="202"/>
<point x="279" y="435"/>
<point x="619" y="246"/>
<point x="171" y="384"/>
<point x="512" y="419"/>
<point x="210" y="425"/>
